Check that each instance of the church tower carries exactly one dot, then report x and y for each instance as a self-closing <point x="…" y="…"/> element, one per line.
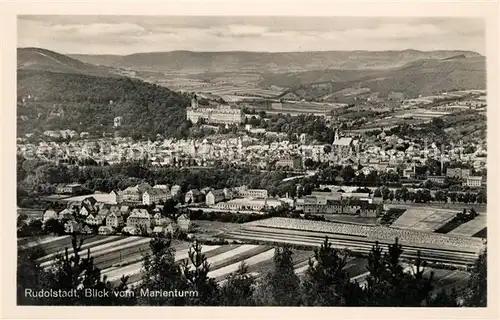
<point x="336" y="135"/>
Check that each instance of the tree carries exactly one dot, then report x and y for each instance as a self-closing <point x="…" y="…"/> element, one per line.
<point x="239" y="288"/>
<point x="160" y="272"/>
<point x="195" y="270"/>
<point x="326" y="283"/>
<point x="389" y="285"/>
<point x="280" y="287"/>
<point x="477" y="286"/>
<point x="78" y="274"/>
<point x="54" y="226"/>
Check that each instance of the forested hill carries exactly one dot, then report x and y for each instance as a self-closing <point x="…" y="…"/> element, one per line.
<point x="89" y="103"/>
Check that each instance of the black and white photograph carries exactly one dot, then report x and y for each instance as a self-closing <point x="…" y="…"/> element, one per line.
<point x="256" y="161"/>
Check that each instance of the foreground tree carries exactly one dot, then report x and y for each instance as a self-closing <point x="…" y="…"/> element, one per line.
<point x="239" y="288"/>
<point x="389" y="284"/>
<point x="195" y="270"/>
<point x="476" y="294"/>
<point x="280" y="287"/>
<point x="160" y="272"/>
<point x="326" y="283"/>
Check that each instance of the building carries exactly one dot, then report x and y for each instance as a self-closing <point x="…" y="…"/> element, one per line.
<point x="218" y="115"/>
<point x="66" y="214"/>
<point x="134" y="194"/>
<point x="139" y="217"/>
<point x="175" y="191"/>
<point x="155" y="196"/>
<point x="291" y="162"/>
<point x="436" y="179"/>
<point x="458" y="173"/>
<point x="214" y="196"/>
<point x="72" y="226"/>
<point x="249" y="204"/>
<point x="93" y="219"/>
<point x="49" y="214"/>
<point x="116" y="196"/>
<point x="105" y="230"/>
<point x="184" y="222"/>
<point x="114" y="219"/>
<point x="341" y="146"/>
<point x="193" y="196"/>
<point x="72" y="188"/>
<point x="474" y="181"/>
<point x="244" y="192"/>
<point x="319" y="205"/>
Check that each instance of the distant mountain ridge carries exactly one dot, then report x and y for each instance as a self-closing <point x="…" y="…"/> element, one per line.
<point x="246" y="61"/>
<point x="47" y="60"/>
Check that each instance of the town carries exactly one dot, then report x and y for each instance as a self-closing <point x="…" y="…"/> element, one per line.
<point x="245" y="178"/>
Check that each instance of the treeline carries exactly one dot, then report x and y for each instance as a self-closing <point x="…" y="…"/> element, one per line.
<point x="325" y="282"/>
<point x="91" y="103"/>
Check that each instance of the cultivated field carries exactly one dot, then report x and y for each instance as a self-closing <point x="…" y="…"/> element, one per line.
<point x="470" y="228"/>
<point x="433" y="247"/>
<point x="118" y="256"/>
<point x="424" y="219"/>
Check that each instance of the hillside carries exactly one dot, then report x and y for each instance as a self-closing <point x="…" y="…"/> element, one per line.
<point x="199" y="62"/>
<point x="88" y="103"/>
<point x="46" y="60"/>
<point x="423" y="77"/>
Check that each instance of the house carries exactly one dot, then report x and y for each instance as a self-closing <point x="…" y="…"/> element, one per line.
<point x="458" y="173"/>
<point x="72" y="226"/>
<point x="244" y="192"/>
<point x="184" y="222"/>
<point x="84" y="211"/>
<point x="124" y="210"/>
<point x="90" y="203"/>
<point x="105" y="230"/>
<point x="474" y="181"/>
<point x="93" y="219"/>
<point x="87" y="230"/>
<point x="193" y="196"/>
<point x="369" y="210"/>
<point x="214" y="196"/>
<point x="134" y="194"/>
<point x="175" y="191"/>
<point x="116" y="196"/>
<point x="114" y="219"/>
<point x="65" y="214"/>
<point x="72" y="188"/>
<point x="133" y="230"/>
<point x="160" y="230"/>
<point x="291" y="162"/>
<point x="49" y="214"/>
<point x="436" y="179"/>
<point x="139" y="217"/>
<point x="155" y="196"/>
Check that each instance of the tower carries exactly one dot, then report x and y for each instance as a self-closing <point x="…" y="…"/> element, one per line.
<point x="425" y="149"/>
<point x="336" y="135"/>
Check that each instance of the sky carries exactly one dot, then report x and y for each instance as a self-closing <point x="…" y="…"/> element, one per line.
<point x="131" y="34"/>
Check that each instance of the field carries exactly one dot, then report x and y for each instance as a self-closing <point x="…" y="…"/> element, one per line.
<point x="358" y="238"/>
<point x="424" y="219"/>
<point x="470" y="228"/>
<point x="117" y="256"/>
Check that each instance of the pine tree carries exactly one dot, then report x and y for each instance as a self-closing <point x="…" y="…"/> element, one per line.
<point x="195" y="271"/>
<point x="477" y="286"/>
<point x="281" y="286"/>
<point x="325" y="282"/>
<point x="389" y="285"/>
<point x="239" y="288"/>
<point x="73" y="272"/>
<point x="160" y="272"/>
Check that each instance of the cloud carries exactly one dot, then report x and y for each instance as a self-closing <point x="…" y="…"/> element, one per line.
<point x="129" y="34"/>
